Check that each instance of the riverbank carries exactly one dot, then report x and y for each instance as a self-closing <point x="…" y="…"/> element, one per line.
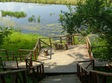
<point x="44" y="1"/>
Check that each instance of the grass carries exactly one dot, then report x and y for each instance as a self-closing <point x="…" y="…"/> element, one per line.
<point x="13" y="14"/>
<point x="45" y="1"/>
<point x="19" y="40"/>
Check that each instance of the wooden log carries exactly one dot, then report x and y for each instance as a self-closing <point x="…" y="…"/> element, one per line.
<point x="46" y="52"/>
<point x="60" y="46"/>
<point x="66" y="47"/>
<point x="56" y="46"/>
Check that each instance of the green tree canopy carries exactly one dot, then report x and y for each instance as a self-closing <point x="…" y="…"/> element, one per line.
<point x="92" y="16"/>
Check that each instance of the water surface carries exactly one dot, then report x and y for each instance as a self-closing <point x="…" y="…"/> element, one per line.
<point x="49" y="17"/>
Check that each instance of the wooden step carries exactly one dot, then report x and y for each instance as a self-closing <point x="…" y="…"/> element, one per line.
<point x="61" y="79"/>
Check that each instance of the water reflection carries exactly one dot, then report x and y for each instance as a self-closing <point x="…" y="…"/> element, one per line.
<point x="49" y="15"/>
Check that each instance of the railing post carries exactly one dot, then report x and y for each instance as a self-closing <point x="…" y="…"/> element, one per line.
<point x="93" y="64"/>
<point x="90" y="77"/>
<point x="39" y="45"/>
<point x="2" y="79"/>
<point x="61" y="40"/>
<point x="24" y="76"/>
<point x="35" y="54"/>
<point x="78" y="71"/>
<point x="73" y="40"/>
<point x="104" y="79"/>
<point x="50" y="42"/>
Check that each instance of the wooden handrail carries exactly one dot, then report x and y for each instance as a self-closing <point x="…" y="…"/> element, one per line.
<point x="11" y="71"/>
<point x="99" y="77"/>
<point x="84" y="73"/>
<point x="45" y="43"/>
<point x="90" y="64"/>
<point x="15" y="76"/>
<point x="101" y="73"/>
<point x="89" y="47"/>
<point x="65" y="39"/>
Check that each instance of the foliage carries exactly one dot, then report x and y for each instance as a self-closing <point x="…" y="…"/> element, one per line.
<point x="98" y="21"/>
<point x="38" y="19"/>
<point x="92" y="16"/>
<point x="67" y="22"/>
<point x="32" y="18"/>
<point x="99" y="48"/>
<point x="13" y="14"/>
<point x="71" y="21"/>
<point x="18" y="40"/>
<point x="44" y="1"/>
<point x="4" y="32"/>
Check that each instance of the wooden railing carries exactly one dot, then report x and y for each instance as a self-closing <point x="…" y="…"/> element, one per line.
<point x="82" y="70"/>
<point x="48" y="46"/>
<point x="70" y="39"/>
<point x="39" y="43"/>
<point x="89" y="47"/>
<point x="100" y="77"/>
<point x="15" y="76"/>
<point x="87" y="75"/>
<point x="35" y="72"/>
<point x="9" y="55"/>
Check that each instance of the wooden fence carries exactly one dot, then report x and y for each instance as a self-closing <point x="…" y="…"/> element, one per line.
<point x="70" y="39"/>
<point x="87" y="75"/>
<point x="32" y="69"/>
<point x="15" y="76"/>
<point x="89" y="47"/>
<point x="21" y="75"/>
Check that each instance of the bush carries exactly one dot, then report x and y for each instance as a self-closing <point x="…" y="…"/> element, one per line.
<point x="4" y="32"/>
<point x="18" y="40"/>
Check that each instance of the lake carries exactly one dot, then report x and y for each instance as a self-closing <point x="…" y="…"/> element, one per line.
<point x="49" y="17"/>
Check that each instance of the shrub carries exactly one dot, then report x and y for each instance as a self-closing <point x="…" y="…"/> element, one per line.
<point x="19" y="40"/>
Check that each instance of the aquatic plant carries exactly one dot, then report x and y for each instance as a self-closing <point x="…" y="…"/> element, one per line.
<point x="38" y="19"/>
<point x="51" y="14"/>
<point x="32" y="18"/>
<point x="13" y="14"/>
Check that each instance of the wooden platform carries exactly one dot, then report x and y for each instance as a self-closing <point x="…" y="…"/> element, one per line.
<point x="64" y="61"/>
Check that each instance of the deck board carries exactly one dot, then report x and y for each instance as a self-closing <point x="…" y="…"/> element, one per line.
<point x="64" y="60"/>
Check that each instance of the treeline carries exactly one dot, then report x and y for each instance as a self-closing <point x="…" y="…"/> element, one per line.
<point x="44" y="1"/>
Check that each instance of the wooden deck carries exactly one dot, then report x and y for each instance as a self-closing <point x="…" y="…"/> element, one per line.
<point x="64" y="61"/>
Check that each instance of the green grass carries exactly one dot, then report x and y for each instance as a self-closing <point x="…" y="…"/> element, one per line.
<point x="45" y="1"/>
<point x="19" y="40"/>
<point x="13" y="14"/>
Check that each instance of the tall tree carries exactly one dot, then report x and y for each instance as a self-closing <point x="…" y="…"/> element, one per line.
<point x="92" y="16"/>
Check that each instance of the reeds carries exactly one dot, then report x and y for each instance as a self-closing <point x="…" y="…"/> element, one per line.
<point x="33" y="19"/>
<point x="13" y="14"/>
